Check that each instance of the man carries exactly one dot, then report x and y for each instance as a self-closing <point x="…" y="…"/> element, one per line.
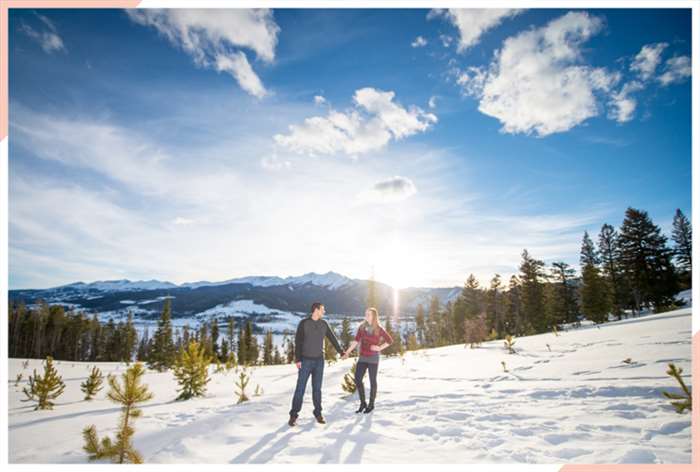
<point x="308" y="355"/>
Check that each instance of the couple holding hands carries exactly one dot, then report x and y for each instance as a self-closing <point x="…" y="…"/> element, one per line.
<point x="371" y="338"/>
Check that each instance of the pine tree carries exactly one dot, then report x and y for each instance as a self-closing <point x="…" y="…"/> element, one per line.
<point x="609" y="249"/>
<point x="128" y="396"/>
<point x="396" y="347"/>
<point x="289" y="350"/>
<point x="594" y="293"/>
<point x="277" y="356"/>
<point x="242" y="346"/>
<point x="268" y="348"/>
<point x="143" y="349"/>
<point x="346" y="336"/>
<point x="508" y="343"/>
<point x="561" y="298"/>
<point x="494" y="306"/>
<point x="475" y="330"/>
<point x="92" y="384"/>
<point x="420" y="325"/>
<point x="192" y="371"/>
<point x="512" y="323"/>
<point x="682" y="235"/>
<point x="467" y="306"/>
<point x="532" y="294"/>
<point x="685" y="400"/>
<point x="162" y="353"/>
<point x="348" y="384"/>
<point x="44" y="389"/>
<point x="329" y="353"/>
<point x="215" y="339"/>
<point x="130" y="339"/>
<point x="230" y="334"/>
<point x="241" y="384"/>
<point x="646" y="261"/>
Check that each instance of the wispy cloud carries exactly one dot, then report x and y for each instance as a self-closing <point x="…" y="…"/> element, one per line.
<point x="214" y="37"/>
<point x="375" y="120"/>
<point x="419" y="42"/>
<point x="472" y="23"/>
<point x="389" y="190"/>
<point x="48" y="37"/>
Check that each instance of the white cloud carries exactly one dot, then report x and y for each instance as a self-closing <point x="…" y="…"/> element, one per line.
<point x="212" y="37"/>
<point x="622" y="103"/>
<point x="238" y="66"/>
<point x="473" y="22"/>
<point x="49" y="40"/>
<point x="537" y="82"/>
<point x="319" y="99"/>
<point x="274" y="163"/>
<point x="647" y="59"/>
<point x="394" y="189"/>
<point x="676" y="69"/>
<point x="183" y="221"/>
<point x="419" y="42"/>
<point x="432" y="101"/>
<point x="370" y="125"/>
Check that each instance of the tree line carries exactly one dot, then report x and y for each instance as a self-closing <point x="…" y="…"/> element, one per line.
<point x="629" y="269"/>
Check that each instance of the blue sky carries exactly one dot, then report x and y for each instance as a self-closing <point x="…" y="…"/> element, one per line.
<point x="424" y="145"/>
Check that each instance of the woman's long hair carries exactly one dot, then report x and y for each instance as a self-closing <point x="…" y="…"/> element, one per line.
<point x="374" y="325"/>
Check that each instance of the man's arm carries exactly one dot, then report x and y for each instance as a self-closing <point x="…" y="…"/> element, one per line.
<point x="331" y="337"/>
<point x="298" y="341"/>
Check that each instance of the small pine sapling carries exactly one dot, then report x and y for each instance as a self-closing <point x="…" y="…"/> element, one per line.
<point x="191" y="370"/>
<point x="18" y="379"/>
<point x="241" y="384"/>
<point x="92" y="384"/>
<point x="683" y="401"/>
<point x="128" y="395"/>
<point x="349" y="380"/>
<point x="44" y="389"/>
<point x="508" y="343"/>
<point x="258" y="390"/>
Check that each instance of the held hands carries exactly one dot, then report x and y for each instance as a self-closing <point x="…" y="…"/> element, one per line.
<point x="344" y="356"/>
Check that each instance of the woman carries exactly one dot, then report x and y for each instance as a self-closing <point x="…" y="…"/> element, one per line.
<point x="372" y="339"/>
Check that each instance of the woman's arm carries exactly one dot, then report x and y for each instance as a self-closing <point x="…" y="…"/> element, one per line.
<point x="350" y="348"/>
<point x="387" y="342"/>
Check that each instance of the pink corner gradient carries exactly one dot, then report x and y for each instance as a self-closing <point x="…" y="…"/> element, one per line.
<point x="4" y="50"/>
<point x="695" y="434"/>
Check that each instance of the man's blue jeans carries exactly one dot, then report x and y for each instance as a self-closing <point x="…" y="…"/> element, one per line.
<point x="314" y="368"/>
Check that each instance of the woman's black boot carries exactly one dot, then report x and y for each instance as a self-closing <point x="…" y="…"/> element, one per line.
<point x="363" y="405"/>
<point x="370" y="407"/>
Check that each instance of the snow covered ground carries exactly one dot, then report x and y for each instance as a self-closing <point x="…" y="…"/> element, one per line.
<point x="577" y="403"/>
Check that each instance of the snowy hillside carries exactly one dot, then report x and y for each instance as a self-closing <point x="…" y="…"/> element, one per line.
<point x="576" y="403"/>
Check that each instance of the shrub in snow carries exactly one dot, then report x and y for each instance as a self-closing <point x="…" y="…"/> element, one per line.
<point x="503" y="363"/>
<point x="191" y="370"/>
<point x="628" y="361"/>
<point x="25" y="364"/>
<point x="121" y="450"/>
<point x="231" y="361"/>
<point x="44" y="389"/>
<point x="18" y="379"/>
<point x="508" y="343"/>
<point x="258" y="390"/>
<point x="549" y="348"/>
<point x="683" y="401"/>
<point x="92" y="384"/>
<point x="475" y="330"/>
<point x="349" y="380"/>
<point x="554" y="330"/>
<point x="241" y="384"/>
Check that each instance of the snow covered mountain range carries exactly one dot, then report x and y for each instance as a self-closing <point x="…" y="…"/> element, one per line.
<point x="270" y="302"/>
